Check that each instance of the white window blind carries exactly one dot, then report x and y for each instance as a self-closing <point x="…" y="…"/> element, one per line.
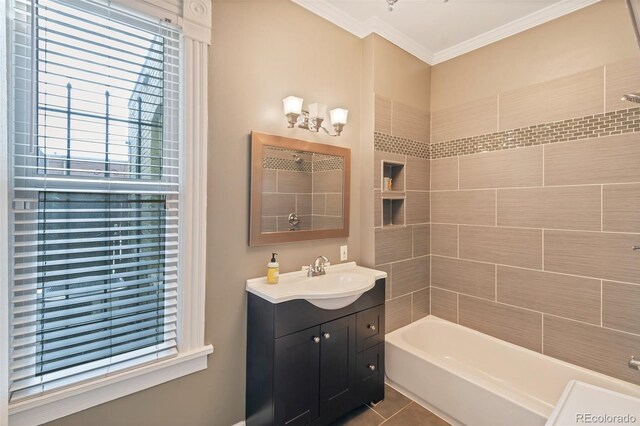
<point x="95" y="186"/>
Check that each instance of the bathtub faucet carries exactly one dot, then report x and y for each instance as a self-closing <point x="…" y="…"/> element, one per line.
<point x="633" y="363"/>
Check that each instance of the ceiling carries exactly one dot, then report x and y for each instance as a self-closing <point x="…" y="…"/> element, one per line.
<point x="438" y="30"/>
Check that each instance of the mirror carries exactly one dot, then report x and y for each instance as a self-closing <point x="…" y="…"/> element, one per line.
<point x="299" y="190"/>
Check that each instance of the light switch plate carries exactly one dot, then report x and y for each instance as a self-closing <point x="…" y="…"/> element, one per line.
<point x="343" y="253"/>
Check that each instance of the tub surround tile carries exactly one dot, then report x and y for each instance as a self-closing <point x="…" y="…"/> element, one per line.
<point x="421" y="240"/>
<point x="294" y="182"/>
<point x="382" y="114"/>
<point x="397" y="145"/>
<point x="596" y="348"/>
<point x="393" y="244"/>
<point x="621" y="204"/>
<point x="467" y="207"/>
<point x="278" y="204"/>
<point x="327" y="222"/>
<point x="562" y="295"/>
<point x="575" y="207"/>
<point x="444" y="240"/>
<point x="519" y="326"/>
<point x="319" y="204"/>
<point x="334" y="205"/>
<point x="417" y="207"/>
<point x="397" y="313"/>
<point x="502" y="169"/>
<point x="410" y="275"/>
<point x="572" y="96"/>
<point x="612" y="159"/>
<point x="506" y="246"/>
<point x="269" y="180"/>
<point x="306" y="223"/>
<point x="388" y="281"/>
<point x="329" y="181"/>
<point x="303" y="204"/>
<point x="444" y="304"/>
<point x="269" y="224"/>
<point x="444" y="174"/>
<point x="463" y="276"/>
<point x="476" y="117"/>
<point x="420" y="304"/>
<point x="417" y="170"/>
<point x="621" y="77"/>
<point x="592" y="254"/>
<point x="621" y="306"/>
<point x="409" y="123"/>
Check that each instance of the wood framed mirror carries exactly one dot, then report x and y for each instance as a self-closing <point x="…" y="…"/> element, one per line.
<point x="299" y="190"/>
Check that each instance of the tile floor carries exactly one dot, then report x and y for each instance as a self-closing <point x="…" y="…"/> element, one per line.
<point x="395" y="410"/>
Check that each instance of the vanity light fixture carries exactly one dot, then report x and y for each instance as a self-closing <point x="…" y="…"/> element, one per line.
<point x="312" y="120"/>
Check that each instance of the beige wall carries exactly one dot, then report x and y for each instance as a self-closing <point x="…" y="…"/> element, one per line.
<point x="582" y="40"/>
<point x="262" y="51"/>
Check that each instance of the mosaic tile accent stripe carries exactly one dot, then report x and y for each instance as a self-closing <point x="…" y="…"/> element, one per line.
<point x="331" y="163"/>
<point x="593" y="126"/>
<point x="397" y="145"/>
<point x="334" y="163"/>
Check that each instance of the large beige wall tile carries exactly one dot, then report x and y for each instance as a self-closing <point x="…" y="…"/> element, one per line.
<point x="611" y="159"/>
<point x="573" y="207"/>
<point x="269" y="180"/>
<point x="444" y="304"/>
<point x="388" y="281"/>
<point x="334" y="204"/>
<point x="468" y="207"/>
<point x="409" y="123"/>
<point x="377" y="208"/>
<point x="393" y="244"/>
<point x="592" y="254"/>
<point x="507" y="246"/>
<point x="621" y="208"/>
<point x="417" y="173"/>
<point x="621" y="306"/>
<point x="515" y="325"/>
<point x="444" y="240"/>
<point x="278" y="204"/>
<point x="468" y="119"/>
<point x="294" y="182"/>
<point x="502" y="169"/>
<point x="417" y="207"/>
<point x="621" y="77"/>
<point x="444" y="173"/>
<point x="383" y="115"/>
<point x="596" y="348"/>
<point x="572" y="96"/>
<point x="397" y="313"/>
<point x="303" y="204"/>
<point x="463" y="276"/>
<point x="329" y="181"/>
<point x="562" y="295"/>
<point x="420" y="304"/>
<point x="421" y="240"/>
<point x="410" y="275"/>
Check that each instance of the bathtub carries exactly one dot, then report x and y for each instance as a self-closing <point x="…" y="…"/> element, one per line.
<point x="470" y="378"/>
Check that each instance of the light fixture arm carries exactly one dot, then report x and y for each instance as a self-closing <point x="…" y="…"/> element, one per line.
<point x="297" y="117"/>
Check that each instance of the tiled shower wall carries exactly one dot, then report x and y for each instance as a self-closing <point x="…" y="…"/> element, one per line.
<point x="532" y="221"/>
<point x="534" y="209"/>
<point x="402" y="136"/>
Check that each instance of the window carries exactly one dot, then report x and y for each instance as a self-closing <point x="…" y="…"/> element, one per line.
<point x="96" y="194"/>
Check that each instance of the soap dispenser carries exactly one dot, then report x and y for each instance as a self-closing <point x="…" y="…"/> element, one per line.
<point x="273" y="270"/>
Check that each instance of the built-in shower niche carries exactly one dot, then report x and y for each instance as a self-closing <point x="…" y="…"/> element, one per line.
<point x="393" y="194"/>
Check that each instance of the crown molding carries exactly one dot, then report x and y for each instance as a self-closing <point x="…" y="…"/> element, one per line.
<point x="540" y="17"/>
<point x="361" y="29"/>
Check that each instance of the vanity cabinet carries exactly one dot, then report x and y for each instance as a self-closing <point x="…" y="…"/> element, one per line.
<point x="309" y="366"/>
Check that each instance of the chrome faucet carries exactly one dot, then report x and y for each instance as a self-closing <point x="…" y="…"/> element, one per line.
<point x="318" y="267"/>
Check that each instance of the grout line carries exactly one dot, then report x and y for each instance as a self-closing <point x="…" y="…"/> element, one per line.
<point x="377" y="414"/>
<point x="457" y="308"/>
<point x="542" y="335"/>
<point x="391" y="416"/>
<point x="537" y="229"/>
<point x="542" y="258"/>
<point x="601" y="208"/>
<point x="458" y="242"/>
<point x="530" y="187"/>
<point x="601" y="300"/>
<point x="496" y="208"/>
<point x="495" y="276"/>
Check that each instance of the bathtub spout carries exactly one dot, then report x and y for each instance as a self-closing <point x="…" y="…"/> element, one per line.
<point x="633" y="363"/>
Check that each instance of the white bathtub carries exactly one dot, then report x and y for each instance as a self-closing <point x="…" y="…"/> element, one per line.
<point x="470" y="378"/>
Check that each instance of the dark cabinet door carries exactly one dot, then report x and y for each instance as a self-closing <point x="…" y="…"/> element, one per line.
<point x="296" y="379"/>
<point x="337" y="368"/>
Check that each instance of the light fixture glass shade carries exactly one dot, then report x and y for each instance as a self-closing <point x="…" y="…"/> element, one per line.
<point x="292" y="105"/>
<point x="317" y="110"/>
<point x="339" y="116"/>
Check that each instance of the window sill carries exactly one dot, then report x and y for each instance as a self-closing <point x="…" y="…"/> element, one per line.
<point x="71" y="400"/>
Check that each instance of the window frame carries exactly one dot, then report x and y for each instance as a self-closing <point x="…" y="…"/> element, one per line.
<point x="194" y="20"/>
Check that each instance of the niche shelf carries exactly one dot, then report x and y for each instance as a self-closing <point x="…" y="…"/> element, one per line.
<point x="393" y="199"/>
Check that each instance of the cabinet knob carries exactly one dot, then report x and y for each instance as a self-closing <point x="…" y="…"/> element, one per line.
<point x="371" y="327"/>
<point x="327" y="335"/>
<point x="316" y="339"/>
<point x="371" y="367"/>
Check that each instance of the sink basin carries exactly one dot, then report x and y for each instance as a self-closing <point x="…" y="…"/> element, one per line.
<point x="342" y="285"/>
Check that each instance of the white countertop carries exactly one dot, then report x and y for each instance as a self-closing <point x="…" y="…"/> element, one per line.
<point x="341" y="280"/>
